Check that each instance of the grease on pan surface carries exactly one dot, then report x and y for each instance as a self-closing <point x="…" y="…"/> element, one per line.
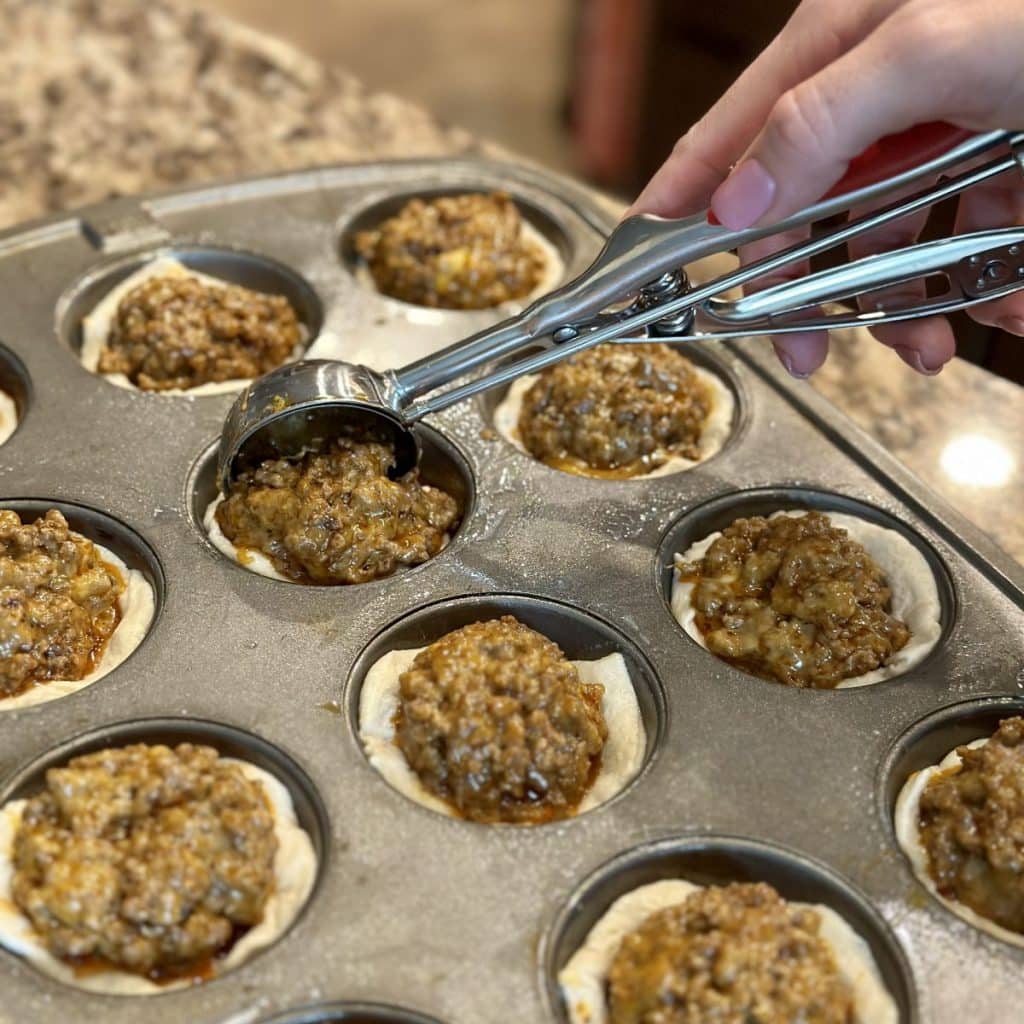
<point x="8" y="416"/>
<point x="584" y="979"/>
<point x="459" y="252"/>
<point x="97" y="327"/>
<point x="294" y="872"/>
<point x="620" y="758"/>
<point x="660" y="414"/>
<point x="1006" y="849"/>
<point x="331" y="517"/>
<point x="914" y="601"/>
<point x="136" y="606"/>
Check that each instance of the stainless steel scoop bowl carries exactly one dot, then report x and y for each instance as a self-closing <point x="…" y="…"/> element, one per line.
<point x="302" y="404"/>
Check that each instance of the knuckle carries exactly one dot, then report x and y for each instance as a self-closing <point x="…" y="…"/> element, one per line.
<point x="802" y="122"/>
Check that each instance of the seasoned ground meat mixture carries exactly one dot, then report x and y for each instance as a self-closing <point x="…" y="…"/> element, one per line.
<point x="736" y="954"/>
<point x="972" y="826"/>
<point x="794" y="599"/>
<point x="177" y="332"/>
<point x="496" y="721"/>
<point x="59" y="602"/>
<point x="334" y="516"/>
<point x="454" y="252"/>
<point x="145" y="858"/>
<point x="615" y="410"/>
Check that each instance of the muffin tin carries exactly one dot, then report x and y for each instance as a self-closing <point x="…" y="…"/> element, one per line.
<point x="416" y="917"/>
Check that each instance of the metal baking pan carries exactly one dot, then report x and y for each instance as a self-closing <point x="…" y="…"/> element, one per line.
<point x="416" y="917"/>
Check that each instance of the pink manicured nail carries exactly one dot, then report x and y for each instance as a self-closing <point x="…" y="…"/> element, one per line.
<point x="913" y="359"/>
<point x="744" y="197"/>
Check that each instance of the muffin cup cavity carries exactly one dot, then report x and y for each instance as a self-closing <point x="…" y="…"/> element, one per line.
<point x="232" y="266"/>
<point x="926" y="746"/>
<point x="142" y="601"/>
<point x="15" y="393"/>
<point x="442" y="465"/>
<point x="499" y="409"/>
<point x="581" y="636"/>
<point x="715" y="515"/>
<point x="309" y="811"/>
<point x="719" y="860"/>
<point x="349" y="1013"/>
<point x="541" y="225"/>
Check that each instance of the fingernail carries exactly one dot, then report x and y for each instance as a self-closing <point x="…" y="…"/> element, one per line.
<point x="912" y="358"/>
<point x="787" y="361"/>
<point x="744" y="197"/>
<point x="1012" y="324"/>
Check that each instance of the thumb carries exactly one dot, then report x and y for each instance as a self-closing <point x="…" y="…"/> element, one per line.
<point x="883" y="85"/>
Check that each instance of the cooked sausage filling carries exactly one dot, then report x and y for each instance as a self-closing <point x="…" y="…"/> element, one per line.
<point x="737" y="954"/>
<point x="617" y="409"/>
<point x="453" y="252"/>
<point x="334" y="516"/>
<point x="972" y="827"/>
<point x="177" y="332"/>
<point x="59" y="602"/>
<point x="794" y="599"/>
<point x="145" y="858"/>
<point x="496" y="721"/>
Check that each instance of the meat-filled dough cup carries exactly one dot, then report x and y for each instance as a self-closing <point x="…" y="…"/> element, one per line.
<point x="915" y="595"/>
<point x="256" y="561"/>
<point x="906" y="821"/>
<point x="295" y="867"/>
<point x="715" y="432"/>
<point x="551" y="276"/>
<point x="584" y="978"/>
<point x="96" y="327"/>
<point x="621" y="759"/>
<point x="138" y="606"/>
<point x="8" y="416"/>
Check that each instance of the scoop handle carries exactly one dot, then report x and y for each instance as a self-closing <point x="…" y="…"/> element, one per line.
<point x="896" y="154"/>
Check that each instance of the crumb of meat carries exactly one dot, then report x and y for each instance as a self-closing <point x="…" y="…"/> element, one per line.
<point x="972" y="827"/>
<point x="59" y="602"/>
<point x="495" y="720"/>
<point x="144" y="858"/>
<point x="334" y="516"/>
<point x="626" y="408"/>
<point x="177" y="332"/>
<point x="794" y="598"/>
<point x="453" y="252"/>
<point x="738" y="954"/>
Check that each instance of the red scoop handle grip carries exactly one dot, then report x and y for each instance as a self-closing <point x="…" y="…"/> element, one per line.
<point x="895" y="154"/>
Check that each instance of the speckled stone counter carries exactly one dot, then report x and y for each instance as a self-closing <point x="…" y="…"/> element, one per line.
<point x="108" y="97"/>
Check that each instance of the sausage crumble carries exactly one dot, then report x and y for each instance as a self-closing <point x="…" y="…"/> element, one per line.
<point x="972" y="826"/>
<point x="794" y="598"/>
<point x="145" y="858"/>
<point x="495" y="720"/>
<point x="615" y="410"/>
<point x="334" y="516"/>
<point x="453" y="252"/>
<point x="59" y="602"/>
<point x="737" y="953"/>
<point x="177" y="332"/>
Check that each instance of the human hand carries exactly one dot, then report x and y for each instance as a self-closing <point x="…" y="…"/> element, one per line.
<point x="836" y="79"/>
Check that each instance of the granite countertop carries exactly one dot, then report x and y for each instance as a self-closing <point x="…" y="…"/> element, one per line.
<point x="111" y="97"/>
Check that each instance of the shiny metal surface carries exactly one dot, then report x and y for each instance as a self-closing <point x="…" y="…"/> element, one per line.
<point x="448" y="921"/>
<point x="642" y="260"/>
